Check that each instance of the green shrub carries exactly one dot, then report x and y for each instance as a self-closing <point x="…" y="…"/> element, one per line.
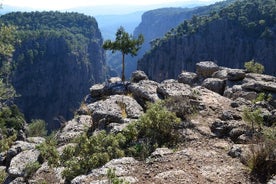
<point x="30" y="169"/>
<point x="181" y="106"/>
<point x="3" y="176"/>
<point x="37" y="128"/>
<point x="6" y="142"/>
<point x="156" y="128"/>
<point x="254" y="67"/>
<point x="92" y="152"/>
<point x="11" y="117"/>
<point x="48" y="152"/>
<point x="113" y="179"/>
<point x="253" y="116"/>
<point x="158" y="125"/>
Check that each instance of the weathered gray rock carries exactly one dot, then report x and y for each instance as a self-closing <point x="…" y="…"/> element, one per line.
<point x="188" y="78"/>
<point x="123" y="168"/>
<point x="47" y="174"/>
<point x="223" y="128"/>
<point x="261" y="77"/>
<point x="235" y="133"/>
<point x="20" y="161"/>
<point x="206" y="69"/>
<point x="272" y="180"/>
<point x="143" y="91"/>
<point x="114" y="80"/>
<point x="235" y="74"/>
<point x="74" y="128"/>
<point x="138" y="75"/>
<point x="172" y="88"/>
<point x="238" y="92"/>
<point x="229" y="115"/>
<point x="19" y="180"/>
<point x="213" y="84"/>
<point x="18" y="147"/>
<point x="220" y="74"/>
<point x="160" y="152"/>
<point x="260" y="86"/>
<point x="114" y="110"/>
<point x="97" y="90"/>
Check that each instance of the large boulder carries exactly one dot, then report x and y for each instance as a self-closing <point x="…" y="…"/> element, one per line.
<point x="114" y="109"/>
<point x="213" y="84"/>
<point x="235" y="74"/>
<point x="206" y="69"/>
<point x="97" y="90"/>
<point x="19" y="162"/>
<point x="238" y="92"/>
<point x="143" y="91"/>
<point x="172" y="88"/>
<point x="188" y="78"/>
<point x="123" y="168"/>
<point x="74" y="128"/>
<point x="138" y="76"/>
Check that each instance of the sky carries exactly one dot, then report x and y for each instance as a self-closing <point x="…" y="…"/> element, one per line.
<point x="67" y="4"/>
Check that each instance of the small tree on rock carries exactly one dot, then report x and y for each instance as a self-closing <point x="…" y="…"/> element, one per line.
<point x="126" y="44"/>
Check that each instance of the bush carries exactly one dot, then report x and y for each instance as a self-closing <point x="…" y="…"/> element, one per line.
<point x="156" y="128"/>
<point x="254" y="67"/>
<point x="253" y="116"/>
<point x="6" y="142"/>
<point x="30" y="169"/>
<point x="113" y="179"/>
<point x="91" y="152"/>
<point x="48" y="152"/>
<point x="262" y="162"/>
<point x="181" y="106"/>
<point x="3" y="175"/>
<point x="158" y="125"/>
<point x="37" y="128"/>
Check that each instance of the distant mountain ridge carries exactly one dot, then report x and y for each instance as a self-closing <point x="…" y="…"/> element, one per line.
<point x="230" y="36"/>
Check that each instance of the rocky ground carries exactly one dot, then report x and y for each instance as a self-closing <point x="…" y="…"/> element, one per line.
<point x="215" y="142"/>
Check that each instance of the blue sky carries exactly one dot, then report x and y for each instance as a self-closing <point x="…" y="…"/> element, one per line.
<point x="67" y="4"/>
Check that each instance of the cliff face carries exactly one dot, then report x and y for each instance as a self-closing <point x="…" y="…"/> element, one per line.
<point x="156" y="23"/>
<point x="54" y="68"/>
<point x="221" y="40"/>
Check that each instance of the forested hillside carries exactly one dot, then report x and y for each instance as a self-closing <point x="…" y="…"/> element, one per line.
<point x="59" y="56"/>
<point x="156" y="23"/>
<point x="229" y="36"/>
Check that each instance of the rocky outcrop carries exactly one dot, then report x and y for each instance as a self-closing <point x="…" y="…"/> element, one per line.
<point x="217" y="141"/>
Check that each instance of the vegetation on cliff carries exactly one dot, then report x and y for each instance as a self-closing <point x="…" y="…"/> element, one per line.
<point x="230" y="36"/>
<point x="58" y="59"/>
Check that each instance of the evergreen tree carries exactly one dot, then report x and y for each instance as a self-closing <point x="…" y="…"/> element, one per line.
<point x="126" y="44"/>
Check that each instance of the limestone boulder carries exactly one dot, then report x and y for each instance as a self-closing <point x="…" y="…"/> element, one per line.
<point x="144" y="91"/>
<point x="114" y="109"/>
<point x="235" y="74"/>
<point x="206" y="69"/>
<point x="172" y="88"/>
<point x="188" y="78"/>
<point x="214" y="84"/>
<point x="74" y="128"/>
<point x="138" y="75"/>
<point x="20" y="161"/>
<point x="123" y="167"/>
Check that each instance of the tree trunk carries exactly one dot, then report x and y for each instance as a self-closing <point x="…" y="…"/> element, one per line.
<point x="123" y="68"/>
